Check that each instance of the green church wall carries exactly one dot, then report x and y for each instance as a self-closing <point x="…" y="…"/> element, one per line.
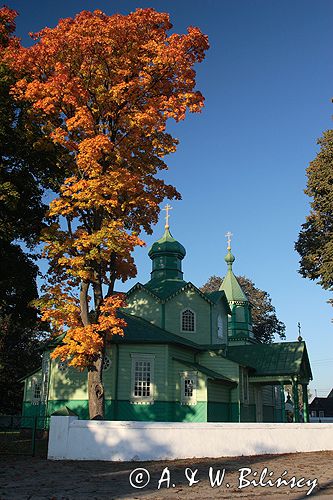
<point x="192" y="300"/>
<point x="217" y="392"/>
<point x="141" y="303"/>
<point x="268" y="413"/>
<point x="267" y="395"/>
<point x="68" y="384"/>
<point x="160" y="411"/>
<point x="125" y="369"/>
<point x="248" y="413"/>
<point x="218" y="412"/>
<point x="220" y="364"/>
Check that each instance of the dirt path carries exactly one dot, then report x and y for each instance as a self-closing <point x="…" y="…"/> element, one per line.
<point x="39" y="479"/>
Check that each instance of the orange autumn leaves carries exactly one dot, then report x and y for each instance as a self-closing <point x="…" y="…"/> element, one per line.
<point x="82" y="344"/>
<point x="103" y="87"/>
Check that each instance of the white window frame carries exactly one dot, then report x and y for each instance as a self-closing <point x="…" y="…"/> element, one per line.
<point x="194" y="320"/>
<point x="136" y="357"/>
<point x="34" y="385"/>
<point x="184" y="399"/>
<point x="321" y="413"/>
<point x="220" y="323"/>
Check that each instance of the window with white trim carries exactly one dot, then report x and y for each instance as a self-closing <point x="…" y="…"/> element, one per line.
<point x="142" y="378"/>
<point x="313" y="413"/>
<point x="36" y="392"/>
<point x="220" y="332"/>
<point x="187" y="321"/>
<point x="321" y="413"/>
<point x="188" y="387"/>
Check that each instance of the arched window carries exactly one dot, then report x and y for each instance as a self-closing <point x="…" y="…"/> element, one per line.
<point x="188" y="321"/>
<point x="220" y="327"/>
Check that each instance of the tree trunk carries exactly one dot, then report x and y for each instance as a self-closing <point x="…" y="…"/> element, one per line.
<point x="95" y="382"/>
<point x="96" y="390"/>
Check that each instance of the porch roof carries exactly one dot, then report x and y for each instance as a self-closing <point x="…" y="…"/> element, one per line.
<point x="280" y="359"/>
<point x="207" y="371"/>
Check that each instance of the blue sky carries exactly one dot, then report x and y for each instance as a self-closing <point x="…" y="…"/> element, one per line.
<point x="240" y="165"/>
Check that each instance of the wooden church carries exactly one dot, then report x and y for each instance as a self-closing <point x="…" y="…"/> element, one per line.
<point x="185" y="356"/>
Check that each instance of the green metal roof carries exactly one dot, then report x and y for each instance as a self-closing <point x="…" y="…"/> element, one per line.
<point x="139" y="330"/>
<point x="210" y="373"/>
<point x="230" y="285"/>
<point x="167" y="244"/>
<point x="284" y="358"/>
<point x="218" y="295"/>
<point x="164" y="288"/>
<point x="232" y="288"/>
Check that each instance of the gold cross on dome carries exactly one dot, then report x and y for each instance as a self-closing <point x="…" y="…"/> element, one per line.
<point x="228" y="236"/>
<point x="167" y="215"/>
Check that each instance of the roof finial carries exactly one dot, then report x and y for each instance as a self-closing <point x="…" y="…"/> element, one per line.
<point x="299" y="338"/>
<point x="167" y="215"/>
<point x="228" y="236"/>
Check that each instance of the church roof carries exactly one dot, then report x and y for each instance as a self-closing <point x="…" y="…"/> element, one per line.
<point x="167" y="244"/>
<point x="230" y="285"/>
<point x="210" y="373"/>
<point x="163" y="290"/>
<point x="284" y="358"/>
<point x="139" y="330"/>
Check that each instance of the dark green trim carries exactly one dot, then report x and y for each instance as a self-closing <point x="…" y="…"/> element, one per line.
<point x="163" y="315"/>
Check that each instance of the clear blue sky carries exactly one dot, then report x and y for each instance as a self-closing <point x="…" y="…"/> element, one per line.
<point x="240" y="165"/>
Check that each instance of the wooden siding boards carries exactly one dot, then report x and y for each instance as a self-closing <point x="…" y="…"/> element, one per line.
<point x="141" y="303"/>
<point x="189" y="299"/>
<point x="125" y="369"/>
<point x="70" y="385"/>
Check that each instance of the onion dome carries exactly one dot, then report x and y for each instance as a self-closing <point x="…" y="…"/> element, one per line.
<point x="167" y="245"/>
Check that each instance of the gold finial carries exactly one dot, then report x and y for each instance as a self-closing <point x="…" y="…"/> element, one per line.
<point x="167" y="215"/>
<point x="300" y="338"/>
<point x="228" y="236"/>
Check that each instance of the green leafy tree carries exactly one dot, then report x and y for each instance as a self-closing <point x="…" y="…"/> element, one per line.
<point x="26" y="162"/>
<point x="315" y="240"/>
<point x="21" y="334"/>
<point x="265" y="322"/>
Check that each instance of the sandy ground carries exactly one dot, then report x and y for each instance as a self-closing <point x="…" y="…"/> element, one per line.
<point x="37" y="478"/>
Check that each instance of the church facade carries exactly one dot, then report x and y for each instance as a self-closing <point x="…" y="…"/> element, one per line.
<point x="185" y="356"/>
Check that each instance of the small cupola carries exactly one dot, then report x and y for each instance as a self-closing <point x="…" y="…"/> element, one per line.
<point x="167" y="255"/>
<point x="240" y="322"/>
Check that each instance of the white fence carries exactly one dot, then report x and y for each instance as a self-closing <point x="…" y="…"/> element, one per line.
<point x="73" y="439"/>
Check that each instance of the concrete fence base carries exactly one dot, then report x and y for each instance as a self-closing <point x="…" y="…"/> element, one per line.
<point x="73" y="439"/>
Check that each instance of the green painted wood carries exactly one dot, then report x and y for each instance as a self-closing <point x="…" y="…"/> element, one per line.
<point x="191" y="299"/>
<point x="125" y="369"/>
<point x="141" y="303"/>
<point x="160" y="411"/>
<point x="248" y="413"/>
<point x="218" y="412"/>
<point x="268" y="413"/>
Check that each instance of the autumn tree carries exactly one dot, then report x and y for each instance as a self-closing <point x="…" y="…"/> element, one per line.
<point x="103" y="87"/>
<point x="264" y="320"/>
<point x="315" y="240"/>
